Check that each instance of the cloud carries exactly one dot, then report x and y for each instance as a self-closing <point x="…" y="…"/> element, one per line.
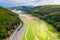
<point x="29" y="2"/>
<point x="46" y="2"/>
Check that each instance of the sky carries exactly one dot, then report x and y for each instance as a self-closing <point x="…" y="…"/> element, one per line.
<point x="11" y="3"/>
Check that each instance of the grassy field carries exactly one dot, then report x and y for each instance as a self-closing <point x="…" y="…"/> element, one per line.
<point x="47" y="32"/>
<point x="38" y="30"/>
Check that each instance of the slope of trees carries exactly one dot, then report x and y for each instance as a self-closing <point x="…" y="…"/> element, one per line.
<point x="49" y="13"/>
<point x="8" y="21"/>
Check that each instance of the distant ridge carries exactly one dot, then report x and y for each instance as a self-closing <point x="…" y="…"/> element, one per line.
<point x="24" y="8"/>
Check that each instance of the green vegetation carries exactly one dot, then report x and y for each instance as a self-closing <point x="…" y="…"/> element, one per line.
<point x="39" y="30"/>
<point x="49" y="13"/>
<point x="9" y="21"/>
<point x="28" y="35"/>
<point x="44" y="32"/>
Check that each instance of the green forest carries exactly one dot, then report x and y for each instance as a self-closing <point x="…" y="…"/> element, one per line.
<point x="9" y="21"/>
<point x="48" y="13"/>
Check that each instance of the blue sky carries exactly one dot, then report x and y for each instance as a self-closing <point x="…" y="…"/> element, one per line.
<point x="10" y="3"/>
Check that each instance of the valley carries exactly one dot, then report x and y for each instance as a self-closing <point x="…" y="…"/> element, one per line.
<point x="38" y="24"/>
<point x="35" y="29"/>
<point x="29" y="19"/>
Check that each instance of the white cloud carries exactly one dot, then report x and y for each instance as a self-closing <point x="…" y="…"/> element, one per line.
<point x="31" y="2"/>
<point x="47" y="2"/>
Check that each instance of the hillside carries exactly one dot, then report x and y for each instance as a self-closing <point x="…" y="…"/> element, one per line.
<point x="9" y="21"/>
<point x="49" y="13"/>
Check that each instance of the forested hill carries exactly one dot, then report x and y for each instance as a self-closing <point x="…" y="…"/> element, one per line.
<point x="49" y="13"/>
<point x="8" y="22"/>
